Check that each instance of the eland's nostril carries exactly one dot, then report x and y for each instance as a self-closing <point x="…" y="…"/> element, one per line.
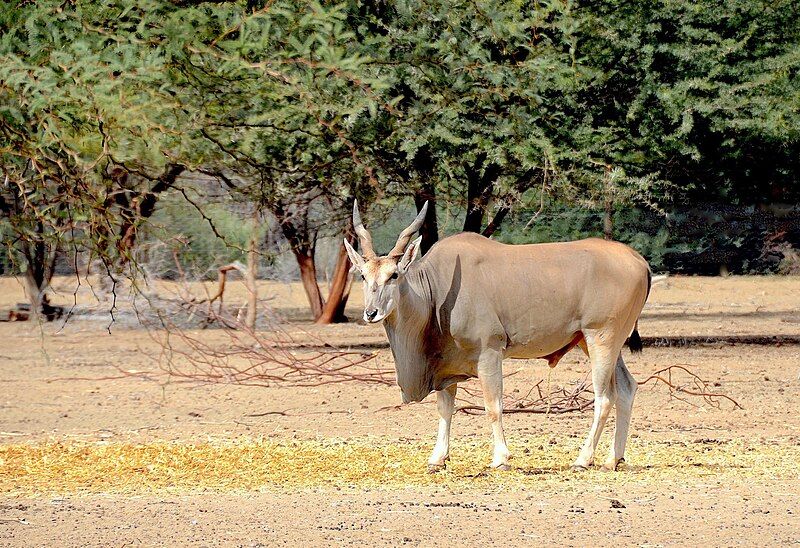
<point x="371" y="313"/>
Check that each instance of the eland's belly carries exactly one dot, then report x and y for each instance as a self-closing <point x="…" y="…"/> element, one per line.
<point x="538" y="347"/>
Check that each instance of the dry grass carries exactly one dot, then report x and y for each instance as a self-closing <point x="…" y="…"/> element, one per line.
<point x="74" y="467"/>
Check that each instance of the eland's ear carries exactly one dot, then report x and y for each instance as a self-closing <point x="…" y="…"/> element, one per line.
<point x="410" y="255"/>
<point x="355" y="258"/>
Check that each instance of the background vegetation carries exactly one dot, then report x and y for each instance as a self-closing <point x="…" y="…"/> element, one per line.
<point x="133" y="128"/>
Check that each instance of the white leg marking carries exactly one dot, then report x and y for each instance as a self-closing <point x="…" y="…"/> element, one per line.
<point x="445" y="402"/>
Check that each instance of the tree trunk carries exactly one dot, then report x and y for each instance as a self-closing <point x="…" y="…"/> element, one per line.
<point x="41" y="260"/>
<point x="495" y="223"/>
<point x="480" y="186"/>
<point x="333" y="310"/>
<point x="294" y="226"/>
<point x="252" y="272"/>
<point x="34" y="291"/>
<point x="308" y="275"/>
<point x="608" y="223"/>
<point x="474" y="219"/>
<point x="339" y="292"/>
<point x="133" y="212"/>
<point x="608" y="207"/>
<point x="423" y="166"/>
<point x="345" y="296"/>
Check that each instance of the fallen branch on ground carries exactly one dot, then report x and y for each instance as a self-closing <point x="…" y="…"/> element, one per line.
<point x="700" y="387"/>
<point x="275" y="357"/>
<point x="268" y="356"/>
<point x="253" y="359"/>
<point x="581" y="396"/>
<point x="558" y="401"/>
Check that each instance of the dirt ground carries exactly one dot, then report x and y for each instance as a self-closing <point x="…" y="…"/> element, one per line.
<point x="733" y="479"/>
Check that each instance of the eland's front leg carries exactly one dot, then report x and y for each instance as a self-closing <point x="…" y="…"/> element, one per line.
<point x="490" y="373"/>
<point x="445" y="402"/>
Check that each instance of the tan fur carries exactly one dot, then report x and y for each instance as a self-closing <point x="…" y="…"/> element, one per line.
<point x="379" y="270"/>
<point x="470" y="302"/>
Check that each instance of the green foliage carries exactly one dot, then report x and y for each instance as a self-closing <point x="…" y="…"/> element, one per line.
<point x="477" y="88"/>
<point x="92" y="89"/>
<point x="697" y="240"/>
<point x="706" y="94"/>
<point x="298" y="107"/>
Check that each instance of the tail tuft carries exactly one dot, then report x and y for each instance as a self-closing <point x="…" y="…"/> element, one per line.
<point x="635" y="341"/>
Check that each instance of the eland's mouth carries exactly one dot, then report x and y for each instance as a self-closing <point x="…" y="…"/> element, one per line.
<point x="373" y="319"/>
<point x="375" y="315"/>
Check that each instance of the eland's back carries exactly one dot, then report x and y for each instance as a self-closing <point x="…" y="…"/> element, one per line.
<point x="538" y="295"/>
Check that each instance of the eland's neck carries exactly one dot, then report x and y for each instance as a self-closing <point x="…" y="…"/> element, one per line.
<point x="405" y="327"/>
<point x="413" y="303"/>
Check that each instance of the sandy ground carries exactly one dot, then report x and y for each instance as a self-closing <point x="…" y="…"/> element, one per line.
<point x="52" y="391"/>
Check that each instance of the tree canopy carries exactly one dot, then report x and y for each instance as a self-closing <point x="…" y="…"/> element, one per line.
<point x="486" y="108"/>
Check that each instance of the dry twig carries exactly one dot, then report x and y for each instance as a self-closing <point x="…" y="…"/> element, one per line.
<point x="700" y="387"/>
<point x="275" y="357"/>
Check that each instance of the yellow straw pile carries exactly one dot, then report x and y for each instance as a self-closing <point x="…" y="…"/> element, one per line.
<point x="79" y="467"/>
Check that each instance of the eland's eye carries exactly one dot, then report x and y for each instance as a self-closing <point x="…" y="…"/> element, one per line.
<point x="393" y="276"/>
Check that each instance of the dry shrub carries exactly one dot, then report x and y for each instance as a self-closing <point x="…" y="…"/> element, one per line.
<point x="273" y="356"/>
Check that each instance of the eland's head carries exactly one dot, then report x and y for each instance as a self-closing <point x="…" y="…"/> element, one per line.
<point x="382" y="274"/>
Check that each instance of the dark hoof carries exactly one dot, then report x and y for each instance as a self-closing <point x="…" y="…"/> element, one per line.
<point x="579" y="468"/>
<point x="613" y="468"/>
<point x="433" y="468"/>
<point x="502" y="467"/>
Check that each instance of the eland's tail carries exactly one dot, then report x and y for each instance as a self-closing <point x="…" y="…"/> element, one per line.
<point x="635" y="341"/>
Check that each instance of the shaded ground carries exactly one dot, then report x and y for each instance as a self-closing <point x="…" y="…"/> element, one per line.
<point x="752" y="500"/>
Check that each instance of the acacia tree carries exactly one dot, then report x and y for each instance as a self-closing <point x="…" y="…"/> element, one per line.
<point x="299" y="108"/>
<point x="49" y="183"/>
<point x="281" y="90"/>
<point x="597" y="103"/>
<point x="89" y="130"/>
<point x="33" y="226"/>
<point x="118" y="100"/>
<point x="479" y="89"/>
<point x="685" y="103"/>
<point x="702" y="93"/>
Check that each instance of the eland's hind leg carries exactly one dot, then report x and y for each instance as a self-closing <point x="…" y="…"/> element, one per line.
<point x="625" y="388"/>
<point x="603" y="351"/>
<point x="490" y="373"/>
<point x="445" y="402"/>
